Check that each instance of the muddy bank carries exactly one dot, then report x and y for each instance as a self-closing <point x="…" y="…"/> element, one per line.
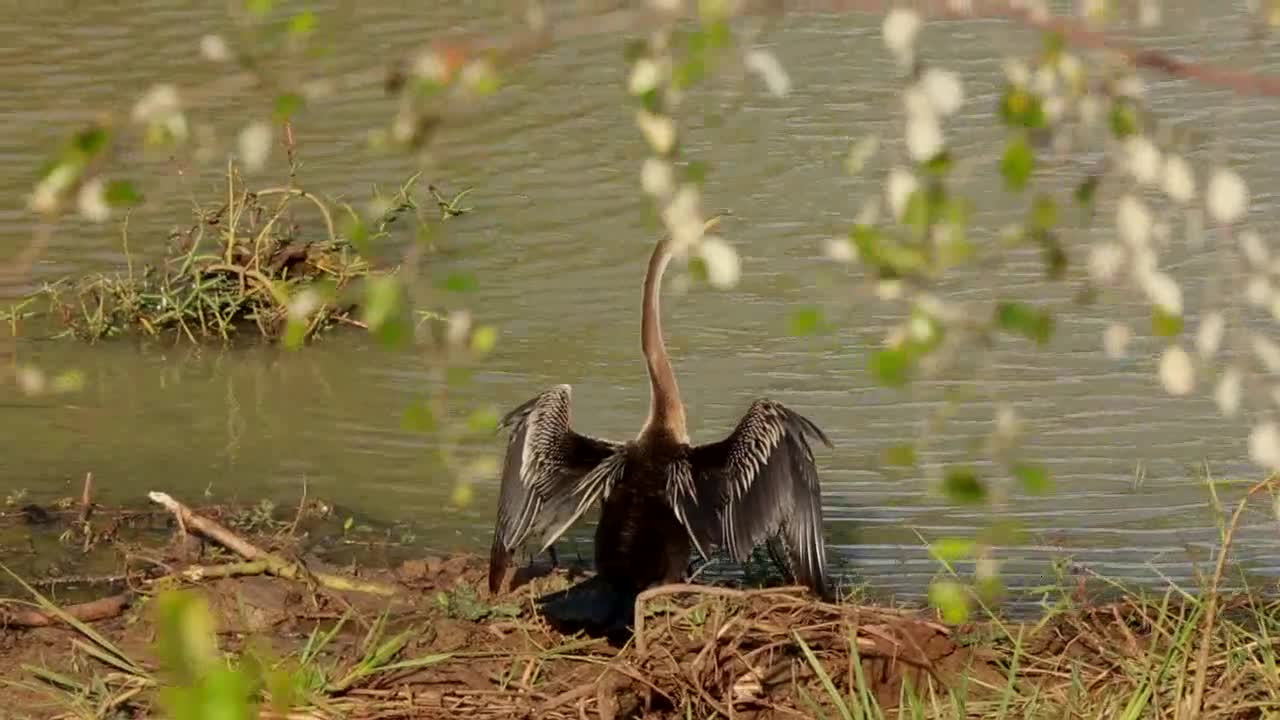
<point x="422" y="637"/>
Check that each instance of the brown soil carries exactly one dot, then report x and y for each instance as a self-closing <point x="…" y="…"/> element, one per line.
<point x="699" y="651"/>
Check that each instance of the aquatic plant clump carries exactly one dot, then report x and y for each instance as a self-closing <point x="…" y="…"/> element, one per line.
<point x="246" y="265"/>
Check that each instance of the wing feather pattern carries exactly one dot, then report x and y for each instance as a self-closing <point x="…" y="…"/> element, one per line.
<point x="758" y="484"/>
<point x="550" y="476"/>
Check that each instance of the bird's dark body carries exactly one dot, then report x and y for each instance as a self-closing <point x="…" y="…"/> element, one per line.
<point x="639" y="541"/>
<point x="661" y="498"/>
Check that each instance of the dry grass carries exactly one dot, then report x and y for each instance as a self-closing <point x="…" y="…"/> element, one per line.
<point x="237" y="266"/>
<point x="442" y="647"/>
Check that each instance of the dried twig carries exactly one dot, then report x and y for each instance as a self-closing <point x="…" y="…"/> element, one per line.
<point x="100" y="609"/>
<point x="1196" y="701"/>
<point x="275" y="565"/>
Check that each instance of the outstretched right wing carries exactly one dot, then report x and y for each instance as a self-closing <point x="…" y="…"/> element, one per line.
<point x="759" y="483"/>
<point x="551" y="475"/>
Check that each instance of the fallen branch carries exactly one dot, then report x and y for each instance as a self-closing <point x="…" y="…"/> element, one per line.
<point x="188" y="521"/>
<point x="93" y="611"/>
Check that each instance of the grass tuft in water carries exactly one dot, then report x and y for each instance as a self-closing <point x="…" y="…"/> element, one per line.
<point x="246" y="264"/>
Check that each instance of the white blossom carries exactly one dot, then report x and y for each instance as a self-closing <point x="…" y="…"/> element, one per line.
<point x="214" y="48"/>
<point x="1105" y="261"/>
<point x="900" y="186"/>
<point x="1268" y="353"/>
<point x="657" y="177"/>
<point x="658" y="130"/>
<point x="901" y="26"/>
<point x="1254" y="248"/>
<point x="1179" y="181"/>
<point x="1228" y="196"/>
<point x="645" y="76"/>
<point x="1264" y="445"/>
<point x="1144" y="159"/>
<point x="841" y="250"/>
<point x="944" y="90"/>
<point x="92" y="201"/>
<point x="1134" y="221"/>
<point x="766" y="65"/>
<point x="924" y="136"/>
<point x="254" y="144"/>
<point x="1209" y="335"/>
<point x="1227" y="394"/>
<point x="1177" y="374"/>
<point x="723" y="265"/>
<point x="1115" y="340"/>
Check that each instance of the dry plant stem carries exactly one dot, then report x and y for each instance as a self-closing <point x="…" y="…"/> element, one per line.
<point x="1196" y="701"/>
<point x="274" y="564"/>
<point x="677" y="588"/>
<point x="100" y="609"/>
<point x="86" y="510"/>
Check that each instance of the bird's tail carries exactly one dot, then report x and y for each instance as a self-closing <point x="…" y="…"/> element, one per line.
<point x="499" y="560"/>
<point x="595" y="606"/>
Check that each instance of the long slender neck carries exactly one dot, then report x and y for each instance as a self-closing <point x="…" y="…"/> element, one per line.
<point x="666" y="412"/>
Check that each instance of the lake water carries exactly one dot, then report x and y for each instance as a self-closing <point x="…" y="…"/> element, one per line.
<point x="558" y="240"/>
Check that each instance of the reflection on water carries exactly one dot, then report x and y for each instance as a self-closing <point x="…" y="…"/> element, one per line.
<point x="558" y="241"/>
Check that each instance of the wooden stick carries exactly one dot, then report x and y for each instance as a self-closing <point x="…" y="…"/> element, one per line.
<point x="100" y="609"/>
<point x="275" y="565"/>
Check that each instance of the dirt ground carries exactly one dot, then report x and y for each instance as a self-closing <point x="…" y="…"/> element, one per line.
<point x="699" y="651"/>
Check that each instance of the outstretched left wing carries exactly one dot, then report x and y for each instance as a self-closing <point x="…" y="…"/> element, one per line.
<point x="760" y="483"/>
<point x="551" y="475"/>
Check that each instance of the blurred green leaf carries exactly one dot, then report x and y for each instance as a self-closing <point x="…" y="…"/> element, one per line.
<point x="91" y="140"/>
<point x="1124" y="118"/>
<point x="304" y="23"/>
<point x="891" y="366"/>
<point x="1044" y="212"/>
<point x="185" y="640"/>
<point x="806" y="321"/>
<point x="385" y="311"/>
<point x="286" y="106"/>
<point x="902" y="455"/>
<point x="689" y="73"/>
<point x="460" y="282"/>
<point x="122" y="194"/>
<point x="939" y="164"/>
<point x="295" y="332"/>
<point x="1165" y="324"/>
<point x="951" y="599"/>
<point x="69" y="381"/>
<point x="890" y="257"/>
<point x="951" y="549"/>
<point x="634" y="49"/>
<point x="1034" y="477"/>
<point x="484" y="338"/>
<point x="696" y="172"/>
<point x="1054" y="44"/>
<point x="1017" y="163"/>
<point x="260" y="8"/>
<point x="990" y="589"/>
<point x="962" y="485"/>
<point x="1025" y="320"/>
<point x="651" y="100"/>
<point x="483" y="420"/>
<point x="1086" y="190"/>
<point x="1019" y="108"/>
<point x="356" y="231"/>
<point x="418" y="417"/>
